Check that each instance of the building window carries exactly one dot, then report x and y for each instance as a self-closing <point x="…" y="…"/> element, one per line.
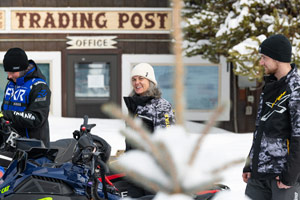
<point x="92" y="79"/>
<point x="200" y="80"/>
<point x="44" y="67"/>
<point x="3" y="82"/>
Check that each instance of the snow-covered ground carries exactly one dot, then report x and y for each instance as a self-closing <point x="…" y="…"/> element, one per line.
<point x="62" y="127"/>
<point x="229" y="146"/>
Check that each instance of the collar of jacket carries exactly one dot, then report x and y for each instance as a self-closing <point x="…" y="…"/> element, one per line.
<point x="139" y="100"/>
<point x="33" y="73"/>
<point x="271" y="80"/>
<point x="21" y="80"/>
<point x="294" y="70"/>
<point x="133" y="101"/>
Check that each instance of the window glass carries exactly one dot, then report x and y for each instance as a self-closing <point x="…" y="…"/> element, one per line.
<point x="3" y="82"/>
<point x="44" y="67"/>
<point x="92" y="79"/>
<point x="201" y="85"/>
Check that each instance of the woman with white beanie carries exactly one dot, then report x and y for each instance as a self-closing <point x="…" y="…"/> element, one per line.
<point x="145" y="100"/>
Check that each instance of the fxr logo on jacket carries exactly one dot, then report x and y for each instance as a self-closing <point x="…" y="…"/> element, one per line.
<point x="17" y="96"/>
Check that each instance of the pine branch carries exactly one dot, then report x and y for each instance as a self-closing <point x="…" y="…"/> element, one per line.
<point x="207" y="127"/>
<point x="169" y="167"/>
<point x="179" y="70"/>
<point x="133" y="140"/>
<point x="115" y="111"/>
<point x="228" y="165"/>
<point x="140" y="179"/>
<point x="202" y="186"/>
<point x="154" y="150"/>
<point x="164" y="160"/>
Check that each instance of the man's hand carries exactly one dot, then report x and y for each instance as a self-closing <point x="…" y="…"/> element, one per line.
<point x="246" y="176"/>
<point x="280" y="185"/>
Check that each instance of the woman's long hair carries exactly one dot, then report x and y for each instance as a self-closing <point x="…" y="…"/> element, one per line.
<point x="152" y="91"/>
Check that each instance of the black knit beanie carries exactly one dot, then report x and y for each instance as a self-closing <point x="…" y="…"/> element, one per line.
<point x="277" y="47"/>
<point x="15" y="60"/>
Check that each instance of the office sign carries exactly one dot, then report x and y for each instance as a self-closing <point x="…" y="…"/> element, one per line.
<point x="91" y="42"/>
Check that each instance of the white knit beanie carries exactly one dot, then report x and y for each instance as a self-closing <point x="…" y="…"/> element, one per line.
<point x="144" y="70"/>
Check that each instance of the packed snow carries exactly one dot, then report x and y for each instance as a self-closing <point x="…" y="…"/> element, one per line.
<point x="219" y="147"/>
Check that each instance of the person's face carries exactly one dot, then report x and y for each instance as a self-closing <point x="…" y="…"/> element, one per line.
<point x="140" y="84"/>
<point x="270" y="65"/>
<point x="13" y="76"/>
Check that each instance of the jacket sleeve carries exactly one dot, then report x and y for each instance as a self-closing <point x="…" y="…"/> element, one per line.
<point x="37" y="109"/>
<point x="248" y="160"/>
<point x="290" y="175"/>
<point x="164" y="115"/>
<point x="247" y="163"/>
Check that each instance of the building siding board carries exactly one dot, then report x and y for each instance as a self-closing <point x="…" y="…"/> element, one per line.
<point x="164" y="48"/>
<point x="130" y="43"/>
<point x="85" y="3"/>
<point x="126" y="43"/>
<point x="151" y="47"/>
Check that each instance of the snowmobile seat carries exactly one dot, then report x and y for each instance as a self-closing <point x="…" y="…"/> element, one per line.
<point x="26" y="144"/>
<point x="65" y="149"/>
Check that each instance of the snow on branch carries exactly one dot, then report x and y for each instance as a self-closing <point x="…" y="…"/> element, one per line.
<point x="162" y="162"/>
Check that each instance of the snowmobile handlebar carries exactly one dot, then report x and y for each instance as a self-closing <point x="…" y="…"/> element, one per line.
<point x="88" y="144"/>
<point x="85" y="127"/>
<point x="93" y="151"/>
<point x="8" y="135"/>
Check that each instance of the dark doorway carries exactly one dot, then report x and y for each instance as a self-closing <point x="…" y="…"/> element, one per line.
<point x="91" y="81"/>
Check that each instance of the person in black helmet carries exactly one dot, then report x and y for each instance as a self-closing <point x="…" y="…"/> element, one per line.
<point x="26" y="101"/>
<point x="273" y="166"/>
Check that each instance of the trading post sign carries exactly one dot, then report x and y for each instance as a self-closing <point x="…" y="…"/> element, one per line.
<point x="2" y="19"/>
<point x="82" y="20"/>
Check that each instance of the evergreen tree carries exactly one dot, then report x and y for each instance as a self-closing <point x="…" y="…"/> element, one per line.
<point x="222" y="28"/>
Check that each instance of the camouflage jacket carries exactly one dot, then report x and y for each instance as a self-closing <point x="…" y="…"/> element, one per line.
<point x="275" y="149"/>
<point x="154" y="112"/>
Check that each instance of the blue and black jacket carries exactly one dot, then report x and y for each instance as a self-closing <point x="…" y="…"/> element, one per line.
<point x="26" y="104"/>
<point x="275" y="149"/>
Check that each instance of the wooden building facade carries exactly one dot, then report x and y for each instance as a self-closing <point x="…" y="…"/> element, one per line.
<point x="87" y="49"/>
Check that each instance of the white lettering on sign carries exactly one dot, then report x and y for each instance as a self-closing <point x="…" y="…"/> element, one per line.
<point x="93" y="42"/>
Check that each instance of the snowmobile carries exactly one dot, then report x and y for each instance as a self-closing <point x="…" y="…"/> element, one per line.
<point x="123" y="186"/>
<point x="70" y="169"/>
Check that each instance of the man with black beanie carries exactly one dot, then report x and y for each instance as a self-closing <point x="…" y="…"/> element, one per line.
<point x="26" y="101"/>
<point x="273" y="166"/>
